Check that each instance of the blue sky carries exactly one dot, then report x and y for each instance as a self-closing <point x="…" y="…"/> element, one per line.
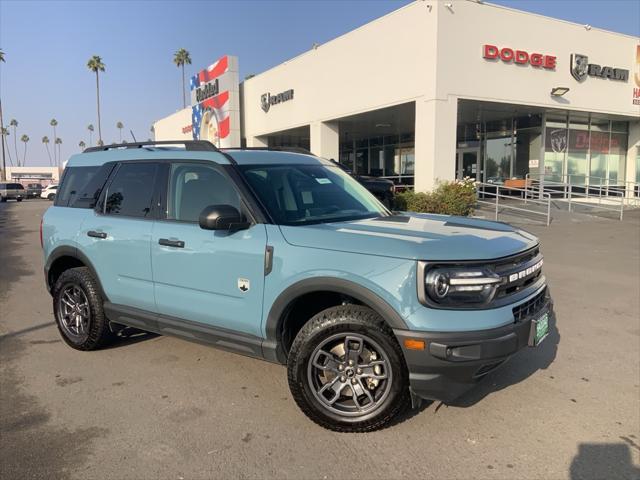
<point x="47" y="45"/>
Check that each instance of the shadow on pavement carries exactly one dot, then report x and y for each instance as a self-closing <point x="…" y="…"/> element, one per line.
<point x="26" y="330"/>
<point x="596" y="461"/>
<point x="14" y="266"/>
<point x="521" y="366"/>
<point x="129" y="336"/>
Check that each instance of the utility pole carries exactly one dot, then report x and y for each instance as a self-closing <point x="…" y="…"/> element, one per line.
<point x="4" y="164"/>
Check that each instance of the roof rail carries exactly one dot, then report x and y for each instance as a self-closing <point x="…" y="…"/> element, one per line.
<point x="274" y="149"/>
<point x="192" y="145"/>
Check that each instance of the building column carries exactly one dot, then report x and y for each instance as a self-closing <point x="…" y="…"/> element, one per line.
<point x="633" y="155"/>
<point x="435" y="142"/>
<point x="325" y="140"/>
<point x="258" y="142"/>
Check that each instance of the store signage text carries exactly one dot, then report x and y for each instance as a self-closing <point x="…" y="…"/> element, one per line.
<point x="207" y="90"/>
<point x="266" y="100"/>
<point x="520" y="57"/>
<point x="581" y="69"/>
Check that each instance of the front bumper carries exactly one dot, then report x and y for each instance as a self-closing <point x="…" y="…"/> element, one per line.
<point x="452" y="362"/>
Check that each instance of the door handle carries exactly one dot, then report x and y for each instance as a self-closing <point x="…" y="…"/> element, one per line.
<point x="94" y="234"/>
<point x="171" y="243"/>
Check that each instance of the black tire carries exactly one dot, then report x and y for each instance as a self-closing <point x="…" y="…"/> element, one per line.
<point x="19" y="199"/>
<point x="3" y="199"/>
<point x="339" y="322"/>
<point x="51" y="196"/>
<point x="96" y="332"/>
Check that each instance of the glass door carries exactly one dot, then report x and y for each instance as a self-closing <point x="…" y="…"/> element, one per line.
<point x="468" y="164"/>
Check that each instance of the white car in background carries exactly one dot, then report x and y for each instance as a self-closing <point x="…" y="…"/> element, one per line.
<point x="49" y="192"/>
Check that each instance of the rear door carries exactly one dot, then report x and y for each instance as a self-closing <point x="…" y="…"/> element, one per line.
<point x="204" y="278"/>
<point x="117" y="236"/>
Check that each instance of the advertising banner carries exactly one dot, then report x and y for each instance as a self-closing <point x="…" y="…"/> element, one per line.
<point x="215" y="103"/>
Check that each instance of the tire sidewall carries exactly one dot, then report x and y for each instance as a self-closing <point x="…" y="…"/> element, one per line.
<point x="298" y="367"/>
<point x="81" y="278"/>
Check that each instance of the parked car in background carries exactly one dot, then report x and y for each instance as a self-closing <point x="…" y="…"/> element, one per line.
<point x="382" y="188"/>
<point x="49" y="192"/>
<point x="285" y="257"/>
<point x="12" y="191"/>
<point x="34" y="190"/>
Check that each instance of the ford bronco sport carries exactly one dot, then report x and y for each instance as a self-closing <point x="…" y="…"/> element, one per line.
<point x="285" y="257"/>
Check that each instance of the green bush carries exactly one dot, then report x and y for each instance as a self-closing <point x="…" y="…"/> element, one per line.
<point x="449" y="198"/>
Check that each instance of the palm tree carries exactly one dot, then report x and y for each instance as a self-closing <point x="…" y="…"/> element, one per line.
<point x="90" y="128"/>
<point x="180" y="58"/>
<point x="58" y="142"/>
<point x="25" y="139"/>
<point x="45" y="140"/>
<point x="95" y="65"/>
<point x="82" y="144"/>
<point x="14" y="123"/>
<point x="120" y="126"/>
<point x="54" y="124"/>
<point x="5" y="133"/>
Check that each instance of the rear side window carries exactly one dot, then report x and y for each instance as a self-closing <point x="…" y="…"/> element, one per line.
<point x="74" y="180"/>
<point x="88" y="195"/>
<point x="131" y="191"/>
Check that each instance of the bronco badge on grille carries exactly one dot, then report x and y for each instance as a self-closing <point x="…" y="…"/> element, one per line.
<point x="525" y="273"/>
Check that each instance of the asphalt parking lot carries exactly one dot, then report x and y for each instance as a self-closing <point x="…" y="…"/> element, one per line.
<point x="159" y="407"/>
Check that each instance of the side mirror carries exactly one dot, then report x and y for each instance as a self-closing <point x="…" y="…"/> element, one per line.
<point x="222" y="217"/>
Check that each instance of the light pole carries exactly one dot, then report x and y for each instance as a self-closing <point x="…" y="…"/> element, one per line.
<point x="4" y="164"/>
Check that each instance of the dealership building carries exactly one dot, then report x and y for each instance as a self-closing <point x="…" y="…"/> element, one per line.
<point x="438" y="91"/>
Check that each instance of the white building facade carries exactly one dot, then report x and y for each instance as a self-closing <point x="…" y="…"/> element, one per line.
<point x="437" y="91"/>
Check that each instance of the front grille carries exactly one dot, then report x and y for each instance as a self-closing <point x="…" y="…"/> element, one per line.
<point x="530" y="307"/>
<point x="515" y="264"/>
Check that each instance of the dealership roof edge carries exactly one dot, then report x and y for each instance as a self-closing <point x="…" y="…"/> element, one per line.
<point x="411" y="4"/>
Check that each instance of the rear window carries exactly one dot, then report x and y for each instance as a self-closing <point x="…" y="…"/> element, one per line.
<point x="81" y="186"/>
<point x="131" y="190"/>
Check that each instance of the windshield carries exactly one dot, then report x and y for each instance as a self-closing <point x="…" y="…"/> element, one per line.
<point x="306" y="194"/>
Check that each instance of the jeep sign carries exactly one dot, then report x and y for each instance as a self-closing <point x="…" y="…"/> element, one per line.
<point x="266" y="100"/>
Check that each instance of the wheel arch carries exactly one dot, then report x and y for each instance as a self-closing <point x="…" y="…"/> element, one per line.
<point x="276" y="348"/>
<point x="63" y="258"/>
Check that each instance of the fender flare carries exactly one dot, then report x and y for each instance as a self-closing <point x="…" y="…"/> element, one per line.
<point x="74" y="252"/>
<point x="330" y="284"/>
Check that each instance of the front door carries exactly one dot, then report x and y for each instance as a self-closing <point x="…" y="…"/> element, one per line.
<point x="468" y="164"/>
<point x="205" y="278"/>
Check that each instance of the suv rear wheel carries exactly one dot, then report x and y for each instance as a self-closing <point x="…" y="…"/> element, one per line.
<point x="346" y="370"/>
<point x="77" y="305"/>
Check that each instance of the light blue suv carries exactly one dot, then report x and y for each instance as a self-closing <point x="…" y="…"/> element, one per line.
<point x="282" y="256"/>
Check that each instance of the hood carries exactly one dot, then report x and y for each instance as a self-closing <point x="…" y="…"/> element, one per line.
<point x="416" y="237"/>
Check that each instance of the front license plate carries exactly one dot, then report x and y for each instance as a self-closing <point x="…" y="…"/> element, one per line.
<point x="539" y="330"/>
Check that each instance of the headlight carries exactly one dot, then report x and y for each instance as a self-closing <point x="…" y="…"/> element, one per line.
<point x="457" y="286"/>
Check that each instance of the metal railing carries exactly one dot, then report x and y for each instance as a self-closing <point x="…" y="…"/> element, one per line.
<point x="594" y="186"/>
<point x="500" y="192"/>
<point x="577" y="194"/>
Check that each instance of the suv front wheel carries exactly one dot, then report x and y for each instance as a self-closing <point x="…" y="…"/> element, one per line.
<point x="77" y="305"/>
<point x="346" y="370"/>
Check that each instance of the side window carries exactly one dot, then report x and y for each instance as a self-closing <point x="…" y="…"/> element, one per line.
<point x="192" y="187"/>
<point x="87" y="196"/>
<point x="74" y="179"/>
<point x="131" y="191"/>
